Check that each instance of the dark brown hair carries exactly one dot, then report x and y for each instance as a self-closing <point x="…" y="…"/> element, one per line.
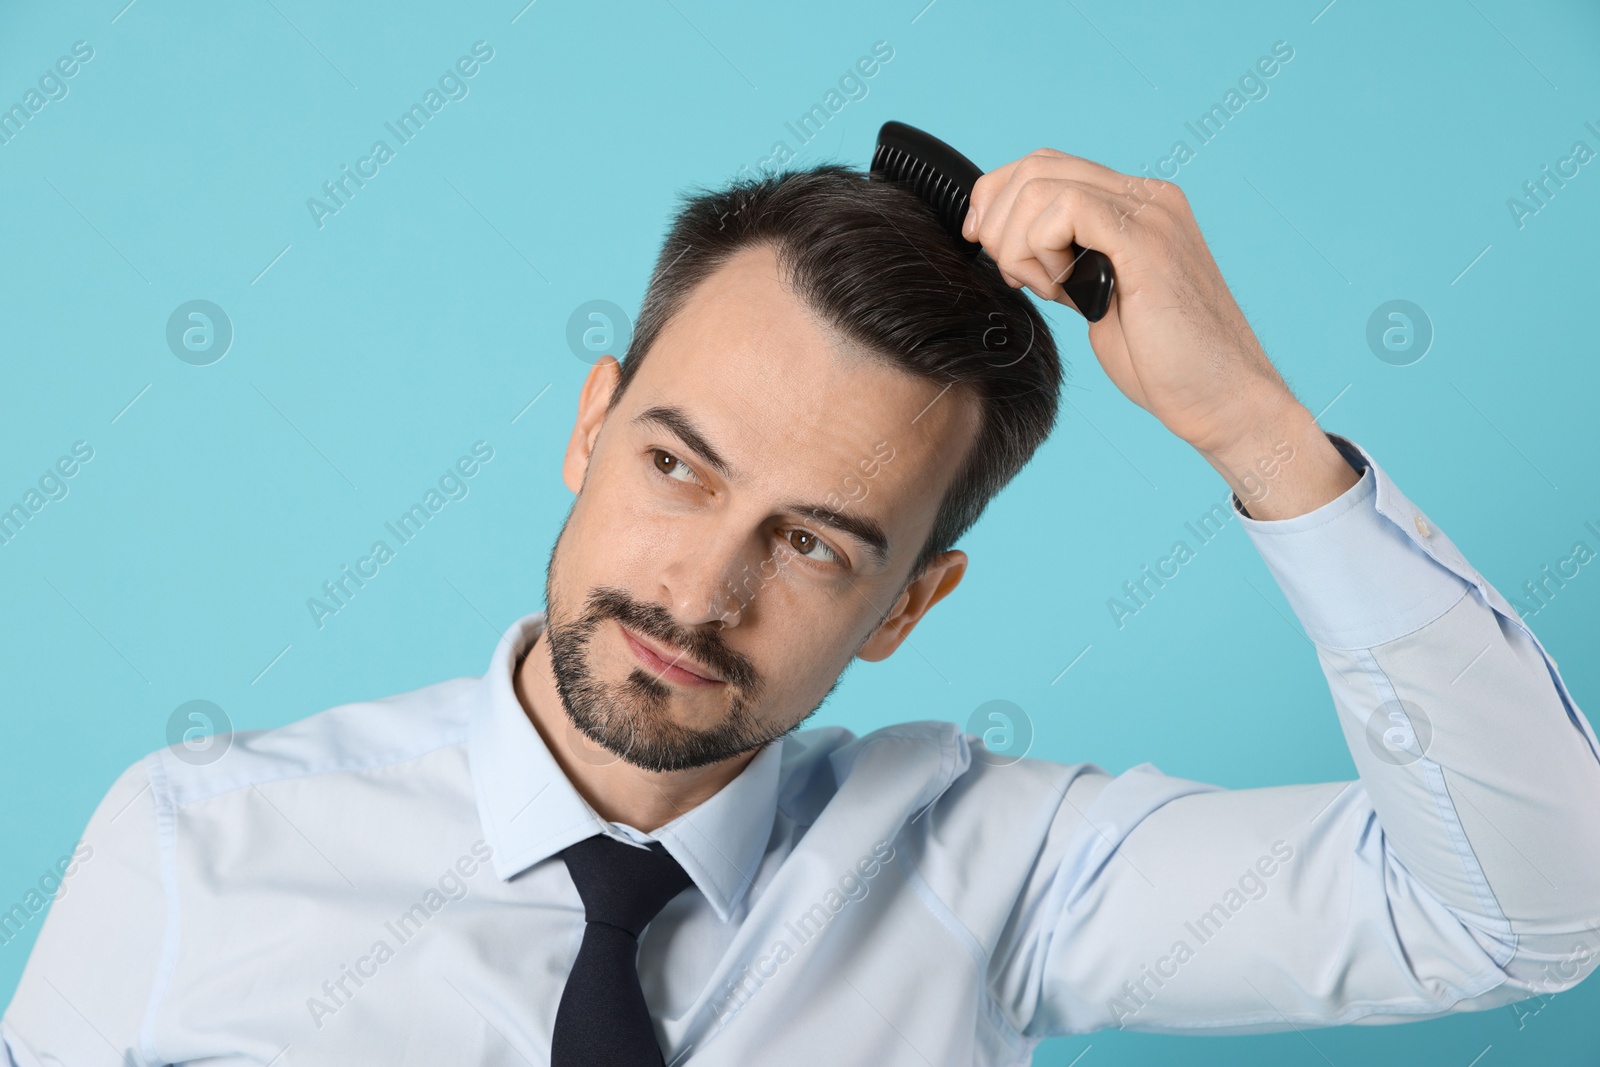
<point x="871" y="259"/>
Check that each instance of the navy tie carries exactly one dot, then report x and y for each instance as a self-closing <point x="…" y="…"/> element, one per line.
<point x="602" y="1020"/>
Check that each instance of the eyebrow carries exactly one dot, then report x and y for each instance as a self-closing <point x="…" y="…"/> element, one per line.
<point x="677" y="422"/>
<point x="863" y="529"/>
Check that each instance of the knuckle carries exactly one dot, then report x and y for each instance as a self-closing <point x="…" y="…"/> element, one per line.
<point x="1075" y="192"/>
<point x="1172" y="194"/>
<point x="1152" y="189"/>
<point x="1032" y="165"/>
<point x="1071" y="197"/>
<point x="1037" y="191"/>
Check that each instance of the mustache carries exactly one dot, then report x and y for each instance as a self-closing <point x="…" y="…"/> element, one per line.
<point x="653" y="621"/>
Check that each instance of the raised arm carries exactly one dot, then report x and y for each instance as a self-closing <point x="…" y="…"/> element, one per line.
<point x="1461" y="871"/>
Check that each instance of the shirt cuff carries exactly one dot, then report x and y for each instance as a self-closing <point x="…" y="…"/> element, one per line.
<point x="1365" y="568"/>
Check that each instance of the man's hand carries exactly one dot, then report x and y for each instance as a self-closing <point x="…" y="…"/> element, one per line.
<point x="1174" y="340"/>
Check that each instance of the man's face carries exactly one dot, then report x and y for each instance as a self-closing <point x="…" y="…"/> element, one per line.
<point x="701" y="599"/>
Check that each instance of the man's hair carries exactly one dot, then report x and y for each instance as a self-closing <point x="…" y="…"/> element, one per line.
<point x="872" y="260"/>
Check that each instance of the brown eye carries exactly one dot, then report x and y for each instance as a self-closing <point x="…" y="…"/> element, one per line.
<point x="669" y="465"/>
<point x="809" y="544"/>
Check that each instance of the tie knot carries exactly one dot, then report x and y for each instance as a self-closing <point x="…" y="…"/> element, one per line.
<point x="623" y="885"/>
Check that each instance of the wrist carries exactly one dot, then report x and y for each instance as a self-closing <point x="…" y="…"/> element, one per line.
<point x="1282" y="464"/>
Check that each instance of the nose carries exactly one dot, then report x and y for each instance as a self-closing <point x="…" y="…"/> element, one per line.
<point x="700" y="579"/>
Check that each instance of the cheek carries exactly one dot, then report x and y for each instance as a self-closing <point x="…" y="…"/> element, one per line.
<point x="614" y="518"/>
<point x="813" y="656"/>
<point x="627" y="490"/>
<point x="594" y="549"/>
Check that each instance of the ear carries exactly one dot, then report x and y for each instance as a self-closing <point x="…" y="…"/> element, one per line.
<point x="941" y="577"/>
<point x="597" y="389"/>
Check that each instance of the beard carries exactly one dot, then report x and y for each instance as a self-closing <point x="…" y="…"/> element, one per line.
<point x="632" y="718"/>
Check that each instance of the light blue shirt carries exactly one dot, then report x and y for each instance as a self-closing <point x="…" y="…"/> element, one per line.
<point x="378" y="883"/>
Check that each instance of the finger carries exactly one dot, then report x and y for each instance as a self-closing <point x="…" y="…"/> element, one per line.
<point x="989" y="189"/>
<point x="991" y="224"/>
<point x="1023" y="245"/>
<point x="1046" y="219"/>
<point x="996" y="190"/>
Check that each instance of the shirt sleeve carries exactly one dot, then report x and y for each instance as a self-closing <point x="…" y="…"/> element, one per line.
<point x="87" y="985"/>
<point x="1460" y="872"/>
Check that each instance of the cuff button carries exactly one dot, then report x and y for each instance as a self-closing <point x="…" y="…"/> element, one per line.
<point x="1422" y="526"/>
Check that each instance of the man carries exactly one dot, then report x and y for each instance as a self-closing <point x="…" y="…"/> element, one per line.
<point x="614" y="847"/>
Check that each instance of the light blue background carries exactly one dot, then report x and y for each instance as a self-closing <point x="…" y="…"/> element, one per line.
<point x="430" y="311"/>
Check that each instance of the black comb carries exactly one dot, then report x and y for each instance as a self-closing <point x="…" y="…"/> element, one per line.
<point x="944" y="178"/>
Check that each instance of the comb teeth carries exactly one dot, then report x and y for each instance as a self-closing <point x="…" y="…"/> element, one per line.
<point x="942" y="191"/>
<point x="938" y="189"/>
<point x="944" y="179"/>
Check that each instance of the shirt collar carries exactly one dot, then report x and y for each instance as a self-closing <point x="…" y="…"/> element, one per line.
<point x="530" y="811"/>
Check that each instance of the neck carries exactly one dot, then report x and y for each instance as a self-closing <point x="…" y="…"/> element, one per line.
<point x="618" y="790"/>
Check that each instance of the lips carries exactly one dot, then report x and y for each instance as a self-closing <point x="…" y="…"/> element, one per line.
<point x="670" y="667"/>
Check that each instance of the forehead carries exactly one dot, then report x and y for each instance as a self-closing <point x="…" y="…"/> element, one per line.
<point x="795" y="407"/>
